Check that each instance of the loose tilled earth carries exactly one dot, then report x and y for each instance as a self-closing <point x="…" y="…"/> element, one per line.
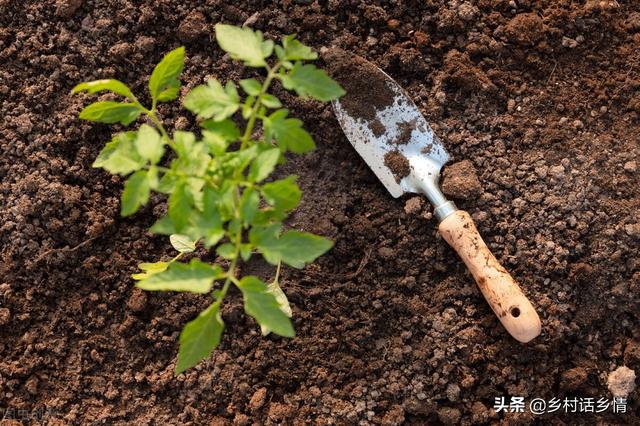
<point x="541" y="97"/>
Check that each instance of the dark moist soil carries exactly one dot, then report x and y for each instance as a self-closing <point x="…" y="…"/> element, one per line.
<point x="404" y="132"/>
<point x="398" y="164"/>
<point x="366" y="87"/>
<point x="542" y="98"/>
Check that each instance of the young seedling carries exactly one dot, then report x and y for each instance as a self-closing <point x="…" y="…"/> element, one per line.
<point x="217" y="184"/>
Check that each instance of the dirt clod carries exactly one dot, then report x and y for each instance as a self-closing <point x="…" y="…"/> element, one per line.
<point x="573" y="379"/>
<point x="525" y="29"/>
<point x="460" y="180"/>
<point x="258" y="399"/>
<point x="398" y="164"/>
<point x="5" y="316"/>
<point x="621" y="381"/>
<point x="413" y="205"/>
<point x="194" y="26"/>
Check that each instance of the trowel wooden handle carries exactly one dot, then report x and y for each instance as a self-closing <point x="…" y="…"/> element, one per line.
<point x="503" y="294"/>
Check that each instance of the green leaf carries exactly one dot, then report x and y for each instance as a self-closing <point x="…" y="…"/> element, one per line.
<point x="274" y="288"/>
<point x="283" y="303"/>
<point x="213" y="101"/>
<point x="180" y="206"/>
<point x="247" y="107"/>
<point x="163" y="226"/>
<point x="120" y="155"/>
<point x="251" y="86"/>
<point x="182" y="243"/>
<point x="283" y="194"/>
<point x="288" y="132"/>
<point x="200" y="337"/>
<point x="299" y="248"/>
<point x="227" y="250"/>
<point x="244" y="44"/>
<point x="263" y="306"/>
<point x="135" y="194"/>
<point x="270" y="101"/>
<point x="292" y="247"/>
<point x="195" y="277"/>
<point x="294" y="50"/>
<point x="164" y="84"/>
<point x="249" y="205"/>
<point x="111" y="112"/>
<point x="150" y="269"/>
<point x="310" y="81"/>
<point x="225" y="129"/>
<point x="110" y="85"/>
<point x="149" y="143"/>
<point x="264" y="164"/>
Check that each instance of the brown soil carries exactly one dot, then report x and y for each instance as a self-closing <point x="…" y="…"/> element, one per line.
<point x="398" y="164"/>
<point x="404" y="132"/>
<point x="390" y="326"/>
<point x="366" y="87"/>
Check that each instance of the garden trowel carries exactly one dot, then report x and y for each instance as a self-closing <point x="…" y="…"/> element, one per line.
<point x="394" y="139"/>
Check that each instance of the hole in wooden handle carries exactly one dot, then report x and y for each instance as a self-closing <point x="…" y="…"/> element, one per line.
<point x="515" y="311"/>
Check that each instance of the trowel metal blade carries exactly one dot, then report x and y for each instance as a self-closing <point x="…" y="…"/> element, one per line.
<point x="405" y="132"/>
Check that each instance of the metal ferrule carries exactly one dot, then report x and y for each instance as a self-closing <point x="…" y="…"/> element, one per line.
<point x="442" y="208"/>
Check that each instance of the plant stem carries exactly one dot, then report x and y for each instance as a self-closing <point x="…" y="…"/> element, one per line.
<point x="272" y="72"/>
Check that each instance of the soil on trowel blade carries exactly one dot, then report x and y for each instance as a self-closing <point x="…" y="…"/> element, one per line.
<point x="366" y="87"/>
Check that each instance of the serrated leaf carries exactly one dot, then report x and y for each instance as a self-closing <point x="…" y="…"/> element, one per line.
<point x="149" y="143"/>
<point x="283" y="303"/>
<point x="226" y="250"/>
<point x="111" y="112"/>
<point x="294" y="50"/>
<point x="270" y="101"/>
<point x="299" y="248"/>
<point x="263" y="306"/>
<point x="164" y="83"/>
<point x="120" y="155"/>
<point x="135" y="194"/>
<point x="251" y="86"/>
<point x="150" y="269"/>
<point x="264" y="164"/>
<point x="195" y="277"/>
<point x="288" y="132"/>
<point x="212" y="101"/>
<point x="294" y="248"/>
<point x="244" y="44"/>
<point x="180" y="206"/>
<point x="163" y="226"/>
<point x="310" y="81"/>
<point x="182" y="243"/>
<point x="249" y="204"/>
<point x="283" y="194"/>
<point x="110" y="85"/>
<point x="200" y="337"/>
<point x="275" y="289"/>
<point x="247" y="107"/>
<point x="227" y="129"/>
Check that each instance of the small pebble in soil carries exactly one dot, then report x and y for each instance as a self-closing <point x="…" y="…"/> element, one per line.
<point x="630" y="166"/>
<point x="621" y="381"/>
<point x="460" y="180"/>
